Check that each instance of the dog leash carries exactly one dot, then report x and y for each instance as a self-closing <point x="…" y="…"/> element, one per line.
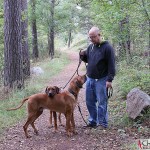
<point x="82" y="114"/>
<point x="76" y="71"/>
<point x="109" y="94"/>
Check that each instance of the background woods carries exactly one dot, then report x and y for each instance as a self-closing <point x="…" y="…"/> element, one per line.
<point x="35" y="29"/>
<point x="47" y="35"/>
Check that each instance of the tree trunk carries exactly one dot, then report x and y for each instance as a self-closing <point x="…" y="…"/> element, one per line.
<point x="149" y="34"/>
<point x="13" y="68"/>
<point x="25" y="48"/>
<point x="128" y="45"/>
<point x="148" y="19"/>
<point x="124" y="43"/>
<point x="35" y="53"/>
<point x="51" y="31"/>
<point x="51" y="43"/>
<point x="69" y="39"/>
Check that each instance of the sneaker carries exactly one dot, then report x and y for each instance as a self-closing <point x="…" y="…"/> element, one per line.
<point x="90" y="126"/>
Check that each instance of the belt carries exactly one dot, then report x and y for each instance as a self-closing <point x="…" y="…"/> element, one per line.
<point x="93" y="78"/>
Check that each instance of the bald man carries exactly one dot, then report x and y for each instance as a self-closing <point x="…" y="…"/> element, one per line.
<point x="100" y="72"/>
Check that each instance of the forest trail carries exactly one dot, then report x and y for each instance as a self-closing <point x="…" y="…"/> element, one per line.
<point x="86" y="139"/>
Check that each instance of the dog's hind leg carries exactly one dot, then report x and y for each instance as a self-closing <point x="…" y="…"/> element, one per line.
<point x="32" y="123"/>
<point x="32" y="116"/>
<point x="59" y="118"/>
<point x="29" y="121"/>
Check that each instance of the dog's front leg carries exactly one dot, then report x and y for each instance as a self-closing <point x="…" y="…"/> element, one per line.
<point x="50" y="119"/>
<point x="68" y="126"/>
<point x="55" y="120"/>
<point x="73" y="124"/>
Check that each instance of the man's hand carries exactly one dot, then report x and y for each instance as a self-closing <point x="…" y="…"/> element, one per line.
<point x="108" y="84"/>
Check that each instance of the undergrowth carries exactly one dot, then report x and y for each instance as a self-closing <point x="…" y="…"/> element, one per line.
<point x="127" y="78"/>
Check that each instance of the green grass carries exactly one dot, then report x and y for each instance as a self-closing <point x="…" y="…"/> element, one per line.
<point x="33" y="85"/>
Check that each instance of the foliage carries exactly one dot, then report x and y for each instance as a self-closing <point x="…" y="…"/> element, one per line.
<point x="78" y="45"/>
<point x="129" y="77"/>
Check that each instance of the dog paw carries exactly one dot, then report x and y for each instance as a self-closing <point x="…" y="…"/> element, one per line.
<point x="75" y="132"/>
<point x="50" y="126"/>
<point x="62" y="125"/>
<point x="69" y="134"/>
<point x="55" y="131"/>
<point x="28" y="136"/>
<point x="36" y="132"/>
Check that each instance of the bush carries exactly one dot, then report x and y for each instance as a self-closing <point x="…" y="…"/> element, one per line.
<point x="129" y="78"/>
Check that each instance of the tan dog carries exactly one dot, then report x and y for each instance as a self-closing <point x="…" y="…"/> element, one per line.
<point x="64" y="102"/>
<point x="51" y="91"/>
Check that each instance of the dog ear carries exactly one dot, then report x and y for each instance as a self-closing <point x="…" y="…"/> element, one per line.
<point x="46" y="91"/>
<point x="57" y="89"/>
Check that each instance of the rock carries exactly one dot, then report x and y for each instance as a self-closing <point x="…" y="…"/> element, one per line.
<point x="37" y="71"/>
<point x="136" y="101"/>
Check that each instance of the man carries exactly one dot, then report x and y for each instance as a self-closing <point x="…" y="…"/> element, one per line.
<point x="100" y="73"/>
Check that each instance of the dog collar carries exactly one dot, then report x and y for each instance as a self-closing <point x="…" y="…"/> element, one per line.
<point x="78" y="85"/>
<point x="72" y="92"/>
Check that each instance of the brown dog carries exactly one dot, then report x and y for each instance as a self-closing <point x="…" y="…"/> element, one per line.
<point x="51" y="91"/>
<point x="64" y="102"/>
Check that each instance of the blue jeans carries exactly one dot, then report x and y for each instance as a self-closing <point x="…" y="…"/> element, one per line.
<point x="96" y="101"/>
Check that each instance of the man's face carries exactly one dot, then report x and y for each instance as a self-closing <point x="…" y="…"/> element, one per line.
<point x="94" y="37"/>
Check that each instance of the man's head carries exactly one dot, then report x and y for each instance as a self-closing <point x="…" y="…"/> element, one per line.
<point x="94" y="35"/>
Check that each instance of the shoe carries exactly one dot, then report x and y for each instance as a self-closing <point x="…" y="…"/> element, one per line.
<point x="90" y="126"/>
<point x="100" y="127"/>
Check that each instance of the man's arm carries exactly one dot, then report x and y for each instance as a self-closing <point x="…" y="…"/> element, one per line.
<point x="111" y="64"/>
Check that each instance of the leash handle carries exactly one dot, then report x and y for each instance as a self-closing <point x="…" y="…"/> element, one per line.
<point x="109" y="92"/>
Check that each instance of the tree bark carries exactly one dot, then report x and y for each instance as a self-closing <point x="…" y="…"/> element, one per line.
<point x="125" y="39"/>
<point x="51" y="35"/>
<point x="25" y="48"/>
<point x="35" y="53"/>
<point x="13" y="68"/>
<point x="148" y="19"/>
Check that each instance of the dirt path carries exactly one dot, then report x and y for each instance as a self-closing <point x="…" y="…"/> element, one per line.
<point x="86" y="139"/>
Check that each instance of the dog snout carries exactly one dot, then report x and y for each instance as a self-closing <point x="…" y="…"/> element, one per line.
<point x="50" y="94"/>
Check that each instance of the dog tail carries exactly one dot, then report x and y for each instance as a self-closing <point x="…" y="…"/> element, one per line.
<point x="23" y="101"/>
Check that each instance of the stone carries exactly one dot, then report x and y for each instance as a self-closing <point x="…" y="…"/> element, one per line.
<point x="37" y="70"/>
<point x="136" y="101"/>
